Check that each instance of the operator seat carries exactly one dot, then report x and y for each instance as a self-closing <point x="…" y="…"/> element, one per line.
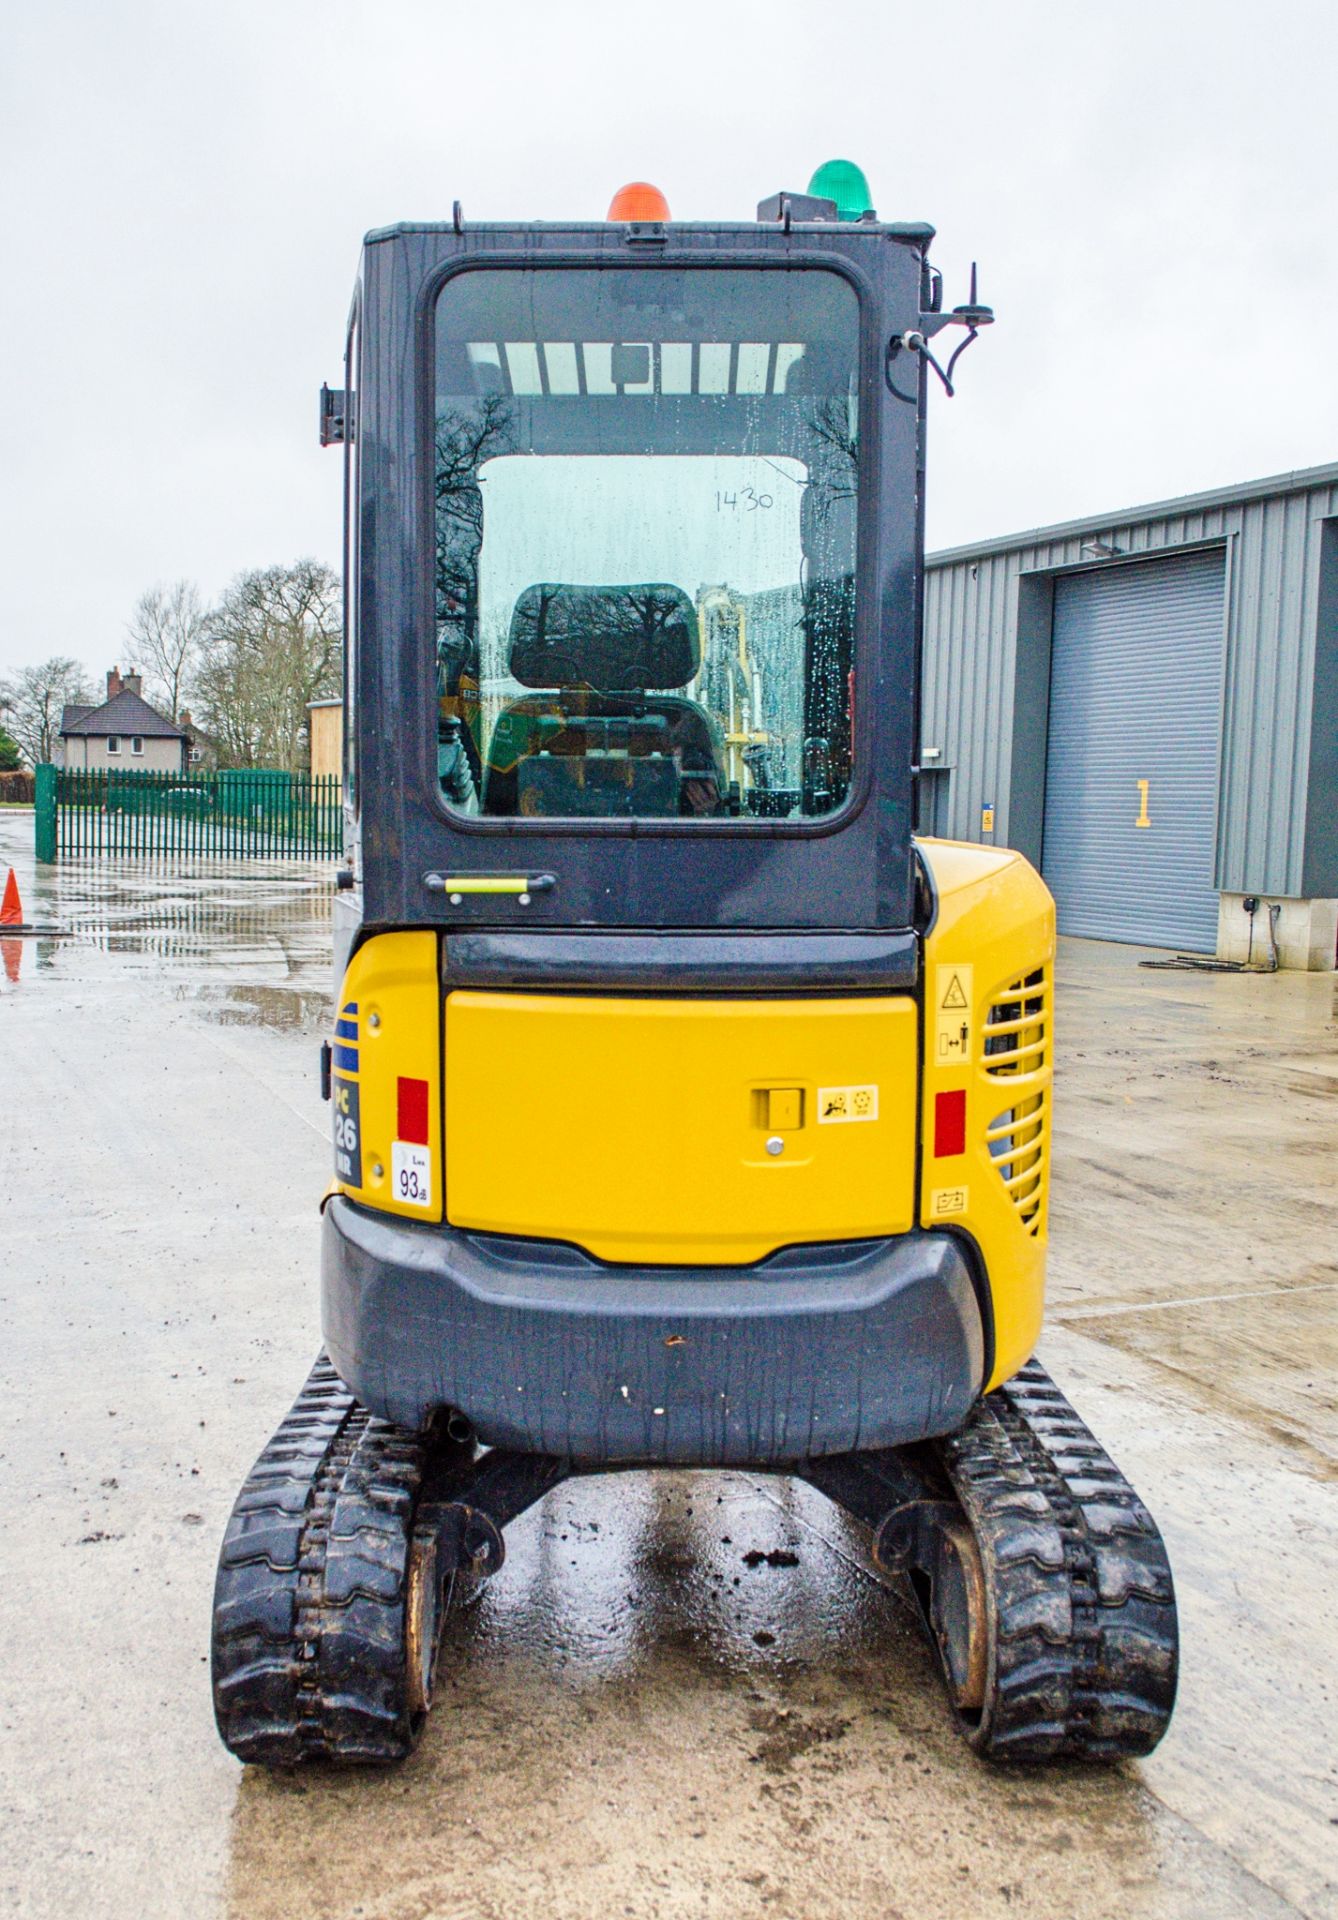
<point x="604" y="733"/>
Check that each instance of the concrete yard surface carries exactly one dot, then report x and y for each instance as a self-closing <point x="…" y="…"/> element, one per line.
<point x="633" y="1719"/>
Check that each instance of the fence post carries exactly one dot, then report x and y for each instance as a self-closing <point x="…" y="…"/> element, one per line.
<point x="45" y="814"/>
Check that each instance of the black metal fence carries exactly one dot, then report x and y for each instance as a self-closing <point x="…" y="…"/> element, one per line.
<point x="240" y="814"/>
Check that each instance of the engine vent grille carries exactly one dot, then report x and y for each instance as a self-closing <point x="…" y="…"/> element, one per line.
<point x="1016" y="1046"/>
<point x="1017" y="1027"/>
<point x="1018" y="1142"/>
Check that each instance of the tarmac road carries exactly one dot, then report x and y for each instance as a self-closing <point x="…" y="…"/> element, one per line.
<point x="633" y="1721"/>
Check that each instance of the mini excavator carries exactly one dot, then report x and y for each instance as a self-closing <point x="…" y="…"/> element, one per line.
<point x="690" y="1110"/>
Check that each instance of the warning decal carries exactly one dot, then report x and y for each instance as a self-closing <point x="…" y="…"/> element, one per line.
<point x="837" y="1105"/>
<point x="953" y="989"/>
<point x="946" y="1201"/>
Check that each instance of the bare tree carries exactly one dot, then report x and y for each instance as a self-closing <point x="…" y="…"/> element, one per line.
<point x="166" y="629"/>
<point x="834" y="457"/>
<point x="465" y="438"/>
<point x="270" y="646"/>
<point x="32" y="702"/>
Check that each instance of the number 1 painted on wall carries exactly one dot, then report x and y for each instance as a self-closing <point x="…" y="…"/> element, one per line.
<point x="1142" y="820"/>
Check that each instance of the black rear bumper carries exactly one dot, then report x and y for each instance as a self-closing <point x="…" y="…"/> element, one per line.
<point x="819" y="1349"/>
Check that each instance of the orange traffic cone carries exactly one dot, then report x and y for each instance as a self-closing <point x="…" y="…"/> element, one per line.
<point x="11" y="911"/>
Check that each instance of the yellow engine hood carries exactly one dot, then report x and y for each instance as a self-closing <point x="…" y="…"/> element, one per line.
<point x="639" y="1128"/>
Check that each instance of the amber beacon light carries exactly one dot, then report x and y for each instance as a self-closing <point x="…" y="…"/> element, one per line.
<point x="638" y="200"/>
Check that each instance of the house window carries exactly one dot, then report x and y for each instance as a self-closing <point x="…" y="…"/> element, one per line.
<point x="113" y="743"/>
<point x="136" y="744"/>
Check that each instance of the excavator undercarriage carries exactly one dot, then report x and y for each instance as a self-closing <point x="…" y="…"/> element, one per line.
<point x="1040" y="1577"/>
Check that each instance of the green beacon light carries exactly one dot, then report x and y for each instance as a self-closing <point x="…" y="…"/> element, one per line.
<point x="844" y="182"/>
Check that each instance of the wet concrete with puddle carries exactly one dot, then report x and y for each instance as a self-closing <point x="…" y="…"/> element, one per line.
<point x="638" y="1716"/>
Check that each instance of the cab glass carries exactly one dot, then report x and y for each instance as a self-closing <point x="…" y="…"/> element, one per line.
<point x="645" y="511"/>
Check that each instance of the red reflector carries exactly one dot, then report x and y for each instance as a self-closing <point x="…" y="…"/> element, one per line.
<point x="949" y="1122"/>
<point x="411" y="1111"/>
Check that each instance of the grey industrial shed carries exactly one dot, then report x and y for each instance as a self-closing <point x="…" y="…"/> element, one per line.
<point x="1146" y="704"/>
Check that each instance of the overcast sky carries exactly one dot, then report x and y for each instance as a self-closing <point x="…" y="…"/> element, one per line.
<point x="1149" y="189"/>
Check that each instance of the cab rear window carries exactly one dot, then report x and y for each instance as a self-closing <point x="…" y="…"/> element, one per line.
<point x="646" y="494"/>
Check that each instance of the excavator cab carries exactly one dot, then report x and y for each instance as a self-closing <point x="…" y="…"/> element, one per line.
<point x="689" y="1109"/>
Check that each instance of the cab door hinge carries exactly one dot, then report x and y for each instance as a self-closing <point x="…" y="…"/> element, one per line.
<point x="337" y="416"/>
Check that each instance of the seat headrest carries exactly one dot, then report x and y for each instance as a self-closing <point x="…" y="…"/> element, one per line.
<point x="611" y="639"/>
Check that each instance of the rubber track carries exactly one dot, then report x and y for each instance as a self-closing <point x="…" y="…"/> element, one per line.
<point x="309" y="1602"/>
<point x="1084" y="1645"/>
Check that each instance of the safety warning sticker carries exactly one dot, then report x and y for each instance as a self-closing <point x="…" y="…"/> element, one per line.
<point x="838" y="1104"/>
<point x="952" y="1015"/>
<point x="946" y="1201"/>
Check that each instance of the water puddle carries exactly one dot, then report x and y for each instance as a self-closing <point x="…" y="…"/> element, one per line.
<point x="285" y="1009"/>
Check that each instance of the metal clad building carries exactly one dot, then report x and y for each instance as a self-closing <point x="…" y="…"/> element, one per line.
<point x="1147" y="706"/>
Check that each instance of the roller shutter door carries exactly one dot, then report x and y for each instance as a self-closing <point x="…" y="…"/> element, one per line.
<point x="1136" y="696"/>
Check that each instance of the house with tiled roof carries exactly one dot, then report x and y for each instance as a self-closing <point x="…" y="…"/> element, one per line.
<point x="125" y="731"/>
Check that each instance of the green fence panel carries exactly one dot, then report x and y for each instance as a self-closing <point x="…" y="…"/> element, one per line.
<point x="45" y="814"/>
<point x="238" y="814"/>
